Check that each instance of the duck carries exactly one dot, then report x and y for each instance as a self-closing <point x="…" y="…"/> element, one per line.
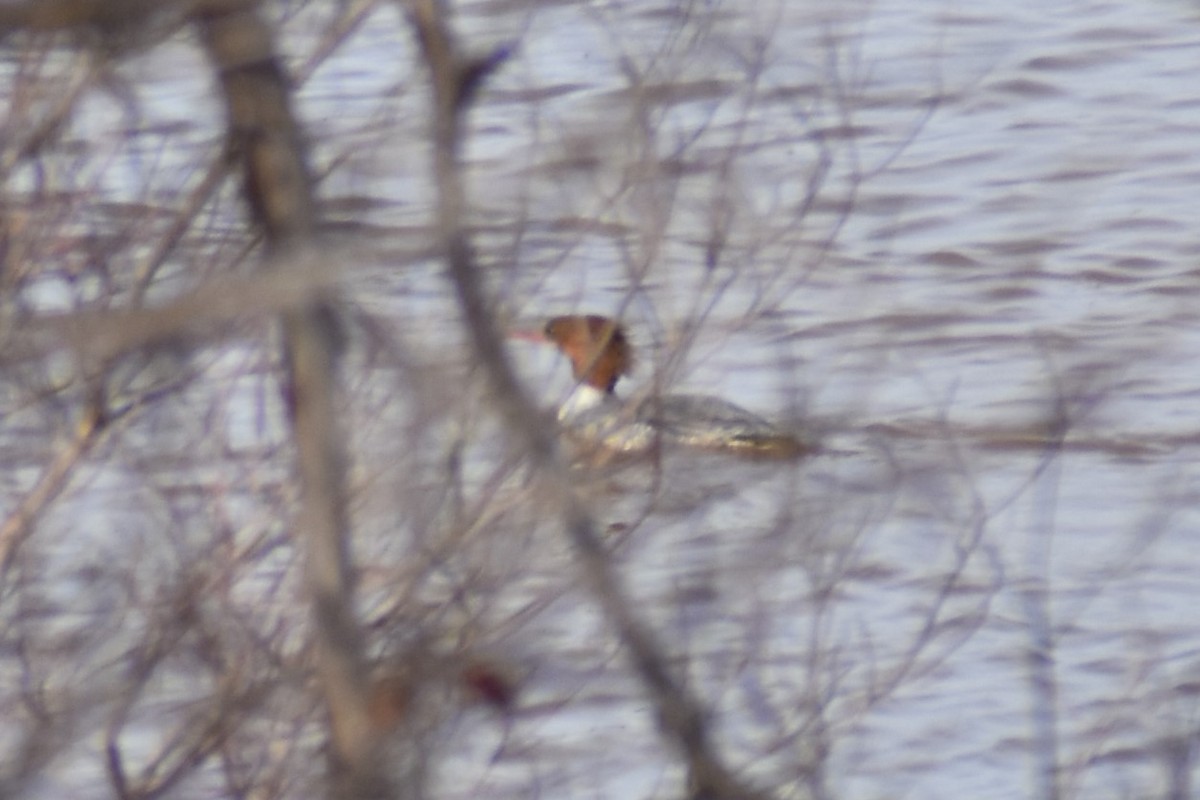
<point x="600" y="354"/>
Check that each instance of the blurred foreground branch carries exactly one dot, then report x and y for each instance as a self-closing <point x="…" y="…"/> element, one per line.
<point x="203" y="312"/>
<point x="265" y="137"/>
<point x="454" y="81"/>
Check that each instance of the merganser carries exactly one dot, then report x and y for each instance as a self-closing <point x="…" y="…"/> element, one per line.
<point x="600" y="353"/>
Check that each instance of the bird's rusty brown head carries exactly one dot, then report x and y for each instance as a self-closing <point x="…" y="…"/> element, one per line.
<point x="600" y="352"/>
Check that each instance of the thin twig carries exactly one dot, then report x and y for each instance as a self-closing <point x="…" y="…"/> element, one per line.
<point x="20" y="523"/>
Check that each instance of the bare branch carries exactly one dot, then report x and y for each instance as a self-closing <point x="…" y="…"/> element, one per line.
<point x="264" y="135"/>
<point x="681" y="715"/>
<point x="203" y="312"/>
<point x="19" y="524"/>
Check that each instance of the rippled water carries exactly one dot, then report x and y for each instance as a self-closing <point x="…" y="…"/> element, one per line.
<point x="1010" y="193"/>
<point x="956" y="245"/>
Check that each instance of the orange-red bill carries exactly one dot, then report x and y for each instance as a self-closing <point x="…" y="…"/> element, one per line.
<point x="528" y="335"/>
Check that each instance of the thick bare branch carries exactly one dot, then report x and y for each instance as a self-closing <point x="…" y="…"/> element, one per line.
<point x="454" y="79"/>
<point x="204" y="311"/>
<point x="265" y="137"/>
